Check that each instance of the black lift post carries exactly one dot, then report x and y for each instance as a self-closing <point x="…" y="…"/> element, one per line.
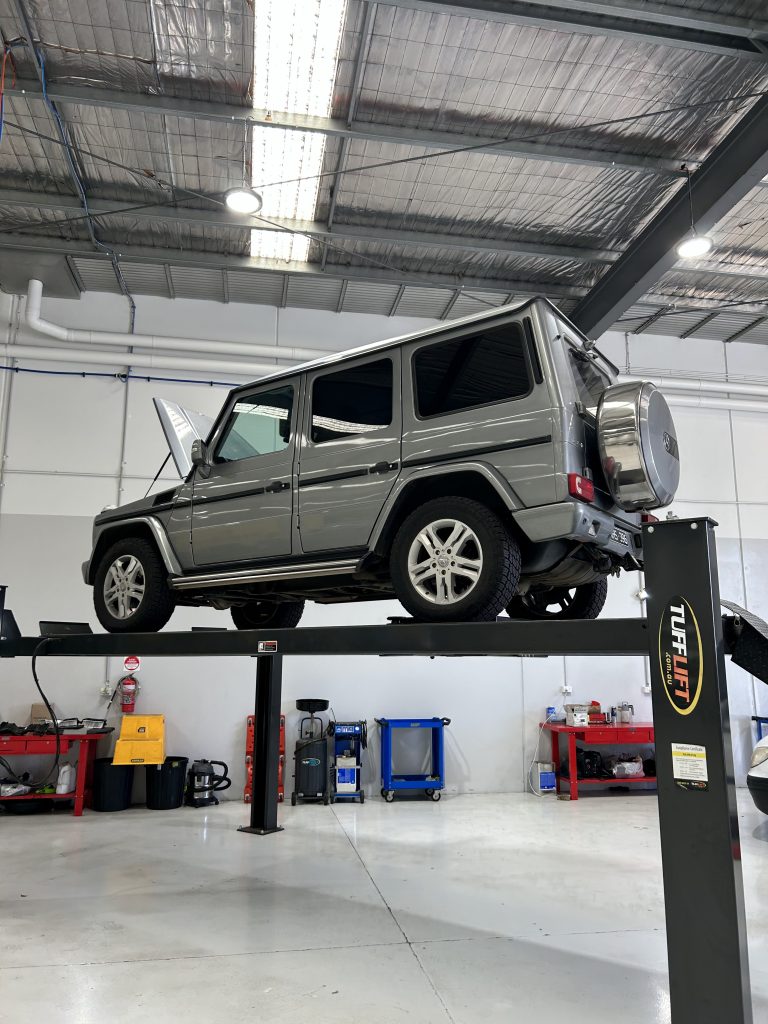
<point x="700" y="848"/>
<point x="266" y="745"/>
<point x="684" y="637"/>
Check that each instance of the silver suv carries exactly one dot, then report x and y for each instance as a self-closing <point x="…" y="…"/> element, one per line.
<point x="491" y="463"/>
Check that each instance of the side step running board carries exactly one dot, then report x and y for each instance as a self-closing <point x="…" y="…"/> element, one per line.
<point x="266" y="575"/>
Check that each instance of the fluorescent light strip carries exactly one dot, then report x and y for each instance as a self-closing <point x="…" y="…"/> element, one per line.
<point x="295" y="57"/>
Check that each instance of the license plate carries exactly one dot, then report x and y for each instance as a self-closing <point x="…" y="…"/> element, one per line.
<point x="620" y="536"/>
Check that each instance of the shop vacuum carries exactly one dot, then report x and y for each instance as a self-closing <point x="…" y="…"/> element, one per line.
<point x="203" y="783"/>
<point x="311" y="779"/>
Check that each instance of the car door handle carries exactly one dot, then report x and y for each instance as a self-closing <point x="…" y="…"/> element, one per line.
<point x="383" y="467"/>
<point x="276" y="486"/>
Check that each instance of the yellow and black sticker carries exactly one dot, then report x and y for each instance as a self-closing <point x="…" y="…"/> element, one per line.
<point x="689" y="766"/>
<point x="680" y="655"/>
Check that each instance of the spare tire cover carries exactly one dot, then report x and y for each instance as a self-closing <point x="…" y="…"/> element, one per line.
<point x="638" y="446"/>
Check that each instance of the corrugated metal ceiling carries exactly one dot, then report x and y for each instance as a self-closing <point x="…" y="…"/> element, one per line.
<point x="426" y="71"/>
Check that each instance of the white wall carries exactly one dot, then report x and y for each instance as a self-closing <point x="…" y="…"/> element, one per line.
<point x="73" y="444"/>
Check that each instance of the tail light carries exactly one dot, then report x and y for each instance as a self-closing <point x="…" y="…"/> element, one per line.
<point x="646" y="518"/>
<point x="581" y="487"/>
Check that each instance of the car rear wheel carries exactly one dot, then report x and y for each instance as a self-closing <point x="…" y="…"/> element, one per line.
<point x="453" y="560"/>
<point x="130" y="592"/>
<point x="268" y="614"/>
<point x="584" y="602"/>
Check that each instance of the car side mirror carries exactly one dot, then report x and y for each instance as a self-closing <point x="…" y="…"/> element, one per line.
<point x="199" y="454"/>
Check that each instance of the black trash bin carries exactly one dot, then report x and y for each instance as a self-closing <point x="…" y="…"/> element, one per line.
<point x="112" y="785"/>
<point x="165" y="784"/>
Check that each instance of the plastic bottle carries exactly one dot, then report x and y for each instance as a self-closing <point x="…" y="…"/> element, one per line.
<point x="66" y="780"/>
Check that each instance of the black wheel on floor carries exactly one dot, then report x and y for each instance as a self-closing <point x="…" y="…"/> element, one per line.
<point x="130" y="589"/>
<point x="388" y="795"/>
<point x="267" y="614"/>
<point x="436" y="794"/>
<point x="362" y="798"/>
<point x="293" y="799"/>
<point x="429" y="792"/>
<point x="584" y="602"/>
<point x="326" y="800"/>
<point x="454" y="560"/>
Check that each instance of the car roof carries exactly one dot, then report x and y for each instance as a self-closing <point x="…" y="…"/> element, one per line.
<point x="497" y="313"/>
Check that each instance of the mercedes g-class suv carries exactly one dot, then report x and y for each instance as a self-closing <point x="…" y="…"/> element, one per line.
<point x="486" y="464"/>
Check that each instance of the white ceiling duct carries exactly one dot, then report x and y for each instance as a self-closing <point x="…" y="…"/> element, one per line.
<point x="704" y="387"/>
<point x="35" y="322"/>
<point x="149" y="360"/>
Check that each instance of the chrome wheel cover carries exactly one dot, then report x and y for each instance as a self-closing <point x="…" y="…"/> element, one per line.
<point x="124" y="587"/>
<point x="445" y="561"/>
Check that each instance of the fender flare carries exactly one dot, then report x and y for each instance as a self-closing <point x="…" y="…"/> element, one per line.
<point x="102" y="532"/>
<point x="494" y="478"/>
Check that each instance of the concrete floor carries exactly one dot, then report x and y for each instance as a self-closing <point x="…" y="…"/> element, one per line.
<point x="477" y="909"/>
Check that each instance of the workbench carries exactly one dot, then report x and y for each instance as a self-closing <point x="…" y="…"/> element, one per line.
<point x="621" y="734"/>
<point x="21" y="746"/>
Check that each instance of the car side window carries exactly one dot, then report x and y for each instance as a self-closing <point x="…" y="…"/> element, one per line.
<point x="258" y="425"/>
<point x="352" y="401"/>
<point x="464" y="373"/>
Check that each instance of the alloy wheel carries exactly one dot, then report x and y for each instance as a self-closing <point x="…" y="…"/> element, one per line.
<point x="445" y="561"/>
<point x="124" y="586"/>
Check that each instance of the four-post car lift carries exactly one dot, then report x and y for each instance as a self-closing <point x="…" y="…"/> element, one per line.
<point x="685" y="638"/>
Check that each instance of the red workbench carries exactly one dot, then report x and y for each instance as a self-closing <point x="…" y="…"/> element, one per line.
<point x="19" y="746"/>
<point x="597" y="736"/>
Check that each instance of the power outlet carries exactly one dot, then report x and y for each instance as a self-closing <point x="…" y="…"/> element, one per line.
<point x="106" y="690"/>
<point x="566" y="690"/>
<point x="647" y="689"/>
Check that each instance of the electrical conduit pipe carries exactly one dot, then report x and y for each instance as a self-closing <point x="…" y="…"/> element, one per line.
<point x="35" y="322"/>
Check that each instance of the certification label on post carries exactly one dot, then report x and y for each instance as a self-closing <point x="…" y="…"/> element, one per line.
<point x="689" y="766"/>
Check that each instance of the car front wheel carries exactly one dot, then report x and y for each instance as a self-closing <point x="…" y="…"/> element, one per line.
<point x="130" y="592"/>
<point x="453" y="560"/>
<point x="584" y="602"/>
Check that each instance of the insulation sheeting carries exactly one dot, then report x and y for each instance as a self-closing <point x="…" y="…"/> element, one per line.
<point x="498" y="196"/>
<point x="476" y="77"/>
<point x="201" y="50"/>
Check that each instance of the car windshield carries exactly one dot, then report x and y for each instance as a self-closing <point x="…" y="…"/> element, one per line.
<point x="590" y="380"/>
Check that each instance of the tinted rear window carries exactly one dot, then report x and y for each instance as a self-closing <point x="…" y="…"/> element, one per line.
<point x="352" y="401"/>
<point x="468" y="372"/>
<point x="590" y="381"/>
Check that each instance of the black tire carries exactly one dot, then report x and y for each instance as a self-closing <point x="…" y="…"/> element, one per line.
<point x="362" y="797"/>
<point x="435" y="796"/>
<point x="155" y="607"/>
<point x="388" y="795"/>
<point x="553" y="603"/>
<point x="326" y="800"/>
<point x="293" y="799"/>
<point x="267" y="614"/>
<point x="499" y="554"/>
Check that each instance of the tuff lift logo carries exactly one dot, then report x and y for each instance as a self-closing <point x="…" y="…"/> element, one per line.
<point x="680" y="655"/>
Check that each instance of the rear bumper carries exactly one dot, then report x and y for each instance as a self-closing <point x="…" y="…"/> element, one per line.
<point x="574" y="520"/>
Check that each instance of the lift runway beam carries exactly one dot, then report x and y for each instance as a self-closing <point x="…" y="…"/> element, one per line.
<point x="505" y="638"/>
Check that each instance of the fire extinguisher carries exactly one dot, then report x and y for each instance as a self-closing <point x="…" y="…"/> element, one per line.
<point x="128" y="687"/>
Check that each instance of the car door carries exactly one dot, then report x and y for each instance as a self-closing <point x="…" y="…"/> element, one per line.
<point x="242" y="503"/>
<point x="350" y="450"/>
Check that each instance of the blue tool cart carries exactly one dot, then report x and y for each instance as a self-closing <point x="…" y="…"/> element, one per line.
<point x="349" y="740"/>
<point x="432" y="782"/>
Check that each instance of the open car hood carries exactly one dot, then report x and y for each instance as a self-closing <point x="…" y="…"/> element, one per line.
<point x="181" y="427"/>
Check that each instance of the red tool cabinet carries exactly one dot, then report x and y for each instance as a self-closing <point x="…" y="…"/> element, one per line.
<point x="249" y="744"/>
